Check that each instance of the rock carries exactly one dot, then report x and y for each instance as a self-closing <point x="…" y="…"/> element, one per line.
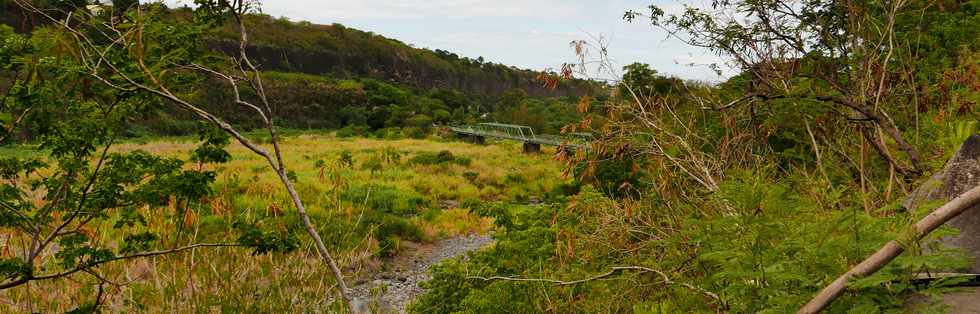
<point x="361" y="305"/>
<point x="961" y="173"/>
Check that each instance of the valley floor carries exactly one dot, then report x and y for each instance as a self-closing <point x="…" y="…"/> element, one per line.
<point x="406" y="202"/>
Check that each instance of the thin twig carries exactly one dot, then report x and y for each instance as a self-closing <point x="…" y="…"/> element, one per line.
<point x="612" y="271"/>
<point x="90" y="265"/>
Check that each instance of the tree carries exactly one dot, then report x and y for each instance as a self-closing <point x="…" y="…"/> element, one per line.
<point x="84" y="184"/>
<point x="121" y="6"/>
<point x="841" y="54"/>
<point x="640" y="80"/>
<point x="510" y="99"/>
<point x="152" y="56"/>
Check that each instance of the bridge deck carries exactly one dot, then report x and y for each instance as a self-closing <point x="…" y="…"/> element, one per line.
<point x="517" y="133"/>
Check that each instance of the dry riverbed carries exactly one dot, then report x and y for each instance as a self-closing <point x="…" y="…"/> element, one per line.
<point x="393" y="290"/>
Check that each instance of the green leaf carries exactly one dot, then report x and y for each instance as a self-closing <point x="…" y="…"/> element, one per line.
<point x="14" y="268"/>
<point x="138" y="242"/>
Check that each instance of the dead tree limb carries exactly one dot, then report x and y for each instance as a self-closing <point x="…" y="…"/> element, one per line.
<point x="892" y="249"/>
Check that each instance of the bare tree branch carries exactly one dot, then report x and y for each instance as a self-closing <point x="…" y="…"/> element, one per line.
<point x="90" y="265"/>
<point x="612" y="271"/>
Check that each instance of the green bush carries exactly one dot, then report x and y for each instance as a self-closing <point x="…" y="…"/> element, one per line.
<point x="565" y="190"/>
<point x="386" y="199"/>
<point x="415" y="132"/>
<point x="615" y="177"/>
<point x="471" y="176"/>
<point x="441" y="158"/>
<point x="389" y="230"/>
<point x="526" y="248"/>
<point x="352" y="131"/>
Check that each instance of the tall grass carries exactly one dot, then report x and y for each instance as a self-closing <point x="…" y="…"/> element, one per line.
<point x="359" y="211"/>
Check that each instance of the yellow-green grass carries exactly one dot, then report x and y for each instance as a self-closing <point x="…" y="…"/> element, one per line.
<point x="232" y="279"/>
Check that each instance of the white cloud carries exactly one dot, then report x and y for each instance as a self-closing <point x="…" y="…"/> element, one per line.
<point x="420" y="9"/>
<point x="532" y="34"/>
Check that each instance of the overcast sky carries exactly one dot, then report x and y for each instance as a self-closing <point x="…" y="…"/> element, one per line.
<point x="531" y="34"/>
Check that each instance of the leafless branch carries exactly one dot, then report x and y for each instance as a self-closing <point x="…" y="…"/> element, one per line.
<point x="89" y="265"/>
<point x="612" y="271"/>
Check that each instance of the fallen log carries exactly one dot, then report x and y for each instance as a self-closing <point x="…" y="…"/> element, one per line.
<point x="960" y="179"/>
<point x="892" y="249"/>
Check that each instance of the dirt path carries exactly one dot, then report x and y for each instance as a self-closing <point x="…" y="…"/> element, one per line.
<point x="391" y="291"/>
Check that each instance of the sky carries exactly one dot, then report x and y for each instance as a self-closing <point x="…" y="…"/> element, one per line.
<point x="530" y="34"/>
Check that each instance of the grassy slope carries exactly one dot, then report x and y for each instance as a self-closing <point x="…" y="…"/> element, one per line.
<point x="230" y="279"/>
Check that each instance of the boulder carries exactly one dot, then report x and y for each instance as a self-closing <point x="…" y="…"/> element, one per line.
<point x="961" y="173"/>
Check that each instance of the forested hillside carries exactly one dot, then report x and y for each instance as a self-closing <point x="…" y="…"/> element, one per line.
<point x="332" y="76"/>
<point x="343" y="52"/>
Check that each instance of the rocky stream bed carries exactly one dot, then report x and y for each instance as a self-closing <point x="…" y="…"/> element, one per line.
<point x="392" y="290"/>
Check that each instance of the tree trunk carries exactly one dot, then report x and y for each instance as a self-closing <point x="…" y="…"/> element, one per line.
<point x="311" y="230"/>
<point x="892" y="249"/>
<point x="903" y="145"/>
<point x="871" y="135"/>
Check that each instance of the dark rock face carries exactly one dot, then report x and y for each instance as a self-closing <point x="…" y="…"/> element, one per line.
<point x="961" y="173"/>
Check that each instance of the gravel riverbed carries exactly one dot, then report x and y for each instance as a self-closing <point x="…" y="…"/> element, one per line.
<point x="391" y="291"/>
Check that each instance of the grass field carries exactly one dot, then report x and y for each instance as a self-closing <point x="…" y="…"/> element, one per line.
<point x="366" y="197"/>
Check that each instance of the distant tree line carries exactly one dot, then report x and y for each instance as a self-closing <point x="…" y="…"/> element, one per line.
<point x="334" y="77"/>
<point x="371" y="107"/>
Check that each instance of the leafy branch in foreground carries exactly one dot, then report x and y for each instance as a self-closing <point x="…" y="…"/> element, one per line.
<point x="58" y="200"/>
<point x="147" y="53"/>
<point x="892" y="249"/>
<point x="842" y="56"/>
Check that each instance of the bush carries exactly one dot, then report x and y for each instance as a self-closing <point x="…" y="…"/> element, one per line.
<point x="565" y="190"/>
<point x="346" y="159"/>
<point x="386" y="199"/>
<point x="471" y="176"/>
<point x="415" y="132"/>
<point x="352" y="131"/>
<point x="391" y="133"/>
<point x="390" y="230"/>
<point x="615" y="177"/>
<point x="527" y="244"/>
<point x="440" y="158"/>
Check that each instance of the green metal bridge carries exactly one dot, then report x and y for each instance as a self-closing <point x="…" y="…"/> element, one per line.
<point x="532" y="142"/>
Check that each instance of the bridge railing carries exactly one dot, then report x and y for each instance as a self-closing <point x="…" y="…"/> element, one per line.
<point x="522" y="133"/>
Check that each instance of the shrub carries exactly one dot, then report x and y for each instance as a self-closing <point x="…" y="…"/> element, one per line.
<point x="514" y="178"/>
<point x="346" y="159"/>
<point x="565" y="190"/>
<point x="352" y="131"/>
<point x="390" y="230"/>
<point x="471" y="176"/>
<point x="615" y="177"/>
<point x="440" y="158"/>
<point x="415" y="132"/>
<point x="525" y="247"/>
<point x="386" y="199"/>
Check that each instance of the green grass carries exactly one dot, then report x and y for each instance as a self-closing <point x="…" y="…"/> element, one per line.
<point x="363" y="211"/>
